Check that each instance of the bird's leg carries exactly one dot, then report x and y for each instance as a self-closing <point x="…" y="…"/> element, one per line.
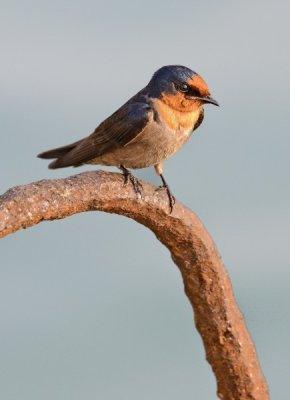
<point x="171" y="198"/>
<point x="137" y="186"/>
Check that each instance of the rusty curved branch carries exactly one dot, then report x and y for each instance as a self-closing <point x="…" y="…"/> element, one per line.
<point x="229" y="348"/>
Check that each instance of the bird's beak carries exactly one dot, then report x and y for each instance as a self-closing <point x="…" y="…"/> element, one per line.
<point x="208" y="99"/>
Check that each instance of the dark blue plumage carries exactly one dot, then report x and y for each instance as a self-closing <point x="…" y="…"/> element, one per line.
<point x="161" y="81"/>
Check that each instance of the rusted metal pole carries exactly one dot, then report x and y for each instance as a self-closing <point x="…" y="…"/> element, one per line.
<point x="229" y="348"/>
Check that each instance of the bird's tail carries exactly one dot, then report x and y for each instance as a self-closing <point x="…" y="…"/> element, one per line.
<point x="58" y="153"/>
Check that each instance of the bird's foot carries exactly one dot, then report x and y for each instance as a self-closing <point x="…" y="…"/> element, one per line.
<point x="171" y="198"/>
<point x="137" y="186"/>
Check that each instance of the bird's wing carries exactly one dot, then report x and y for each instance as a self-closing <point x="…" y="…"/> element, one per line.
<point x="115" y="131"/>
<point x="200" y="119"/>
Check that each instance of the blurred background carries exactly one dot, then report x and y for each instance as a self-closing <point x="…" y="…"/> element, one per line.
<point x="93" y="306"/>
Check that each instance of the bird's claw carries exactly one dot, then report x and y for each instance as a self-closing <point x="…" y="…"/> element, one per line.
<point x="137" y="185"/>
<point x="170" y="196"/>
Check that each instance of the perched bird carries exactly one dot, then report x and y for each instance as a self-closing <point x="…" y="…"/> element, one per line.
<point x="148" y="129"/>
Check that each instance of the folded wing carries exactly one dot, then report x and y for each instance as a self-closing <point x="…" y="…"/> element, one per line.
<point x="116" y="131"/>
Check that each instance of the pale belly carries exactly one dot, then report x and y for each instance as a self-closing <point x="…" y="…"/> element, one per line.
<point x="149" y="148"/>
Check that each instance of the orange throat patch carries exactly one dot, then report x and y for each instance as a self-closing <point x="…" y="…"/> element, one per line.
<point x="176" y="119"/>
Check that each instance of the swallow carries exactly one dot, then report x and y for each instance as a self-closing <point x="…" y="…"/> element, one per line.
<point x="148" y="129"/>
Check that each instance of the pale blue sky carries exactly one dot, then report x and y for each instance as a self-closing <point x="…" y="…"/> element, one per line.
<point x="92" y="306"/>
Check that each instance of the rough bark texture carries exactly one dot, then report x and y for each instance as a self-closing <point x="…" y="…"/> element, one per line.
<point x="229" y="348"/>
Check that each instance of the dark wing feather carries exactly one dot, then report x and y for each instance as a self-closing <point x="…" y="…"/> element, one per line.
<point x="200" y="119"/>
<point x="116" y="131"/>
<point x="59" y="151"/>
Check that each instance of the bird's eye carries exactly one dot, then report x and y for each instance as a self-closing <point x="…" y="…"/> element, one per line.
<point x="183" y="87"/>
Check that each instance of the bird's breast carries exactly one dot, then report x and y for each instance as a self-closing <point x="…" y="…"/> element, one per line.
<point x="156" y="143"/>
<point x="160" y="139"/>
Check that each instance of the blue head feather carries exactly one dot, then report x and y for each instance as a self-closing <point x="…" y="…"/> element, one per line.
<point x="163" y="79"/>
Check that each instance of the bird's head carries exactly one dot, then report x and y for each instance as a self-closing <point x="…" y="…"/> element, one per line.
<point x="180" y="88"/>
